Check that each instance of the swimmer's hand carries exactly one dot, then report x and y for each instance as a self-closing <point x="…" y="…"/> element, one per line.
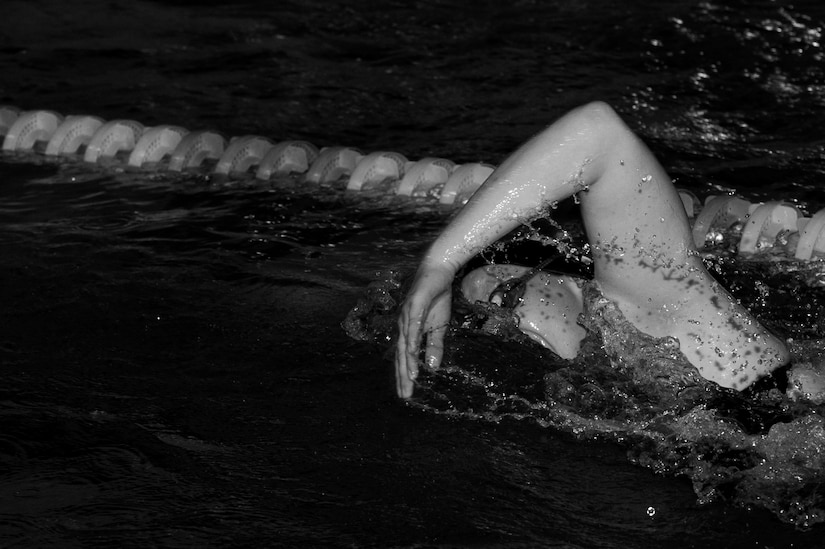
<point x="424" y="314"/>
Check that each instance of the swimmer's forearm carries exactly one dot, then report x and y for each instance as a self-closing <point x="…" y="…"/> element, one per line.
<point x="562" y="160"/>
<point x="500" y="206"/>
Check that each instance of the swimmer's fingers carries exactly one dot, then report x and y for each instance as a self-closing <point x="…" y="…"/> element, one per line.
<point x="406" y="352"/>
<point x="426" y="309"/>
<point x="436" y="329"/>
<point x="403" y="384"/>
<point x="420" y="315"/>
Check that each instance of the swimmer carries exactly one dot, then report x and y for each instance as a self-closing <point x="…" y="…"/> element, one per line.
<point x="643" y="253"/>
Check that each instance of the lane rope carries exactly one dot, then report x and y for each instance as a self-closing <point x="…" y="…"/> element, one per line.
<point x="93" y="140"/>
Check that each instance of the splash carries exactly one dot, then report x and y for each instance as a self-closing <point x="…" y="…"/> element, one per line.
<point x="758" y="449"/>
<point x="374" y="315"/>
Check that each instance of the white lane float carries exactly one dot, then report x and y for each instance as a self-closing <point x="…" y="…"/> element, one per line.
<point x="464" y="181"/>
<point x="764" y="223"/>
<point x="719" y="211"/>
<point x="30" y="128"/>
<point x="285" y="158"/>
<point x="112" y="138"/>
<point x="377" y="167"/>
<point x="155" y="144"/>
<point x="811" y="236"/>
<point x="691" y="203"/>
<point x="75" y="132"/>
<point x="424" y="176"/>
<point x="332" y="164"/>
<point x="195" y="148"/>
<point x="242" y="154"/>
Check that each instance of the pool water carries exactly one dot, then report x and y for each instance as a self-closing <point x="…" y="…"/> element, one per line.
<point x="174" y="371"/>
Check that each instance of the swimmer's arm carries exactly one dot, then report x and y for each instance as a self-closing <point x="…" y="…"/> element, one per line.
<point x="424" y="314"/>
<point x="565" y="158"/>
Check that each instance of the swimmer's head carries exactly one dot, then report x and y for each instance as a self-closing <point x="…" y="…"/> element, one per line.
<point x="479" y="285"/>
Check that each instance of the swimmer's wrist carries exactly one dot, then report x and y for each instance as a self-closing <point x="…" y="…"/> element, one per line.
<point x="440" y="264"/>
<point x="445" y="257"/>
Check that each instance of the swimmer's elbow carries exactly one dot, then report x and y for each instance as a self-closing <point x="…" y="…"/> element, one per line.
<point x="598" y="109"/>
<point x="600" y="115"/>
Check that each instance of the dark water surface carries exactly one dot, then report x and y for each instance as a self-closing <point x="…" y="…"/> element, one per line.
<point x="172" y="368"/>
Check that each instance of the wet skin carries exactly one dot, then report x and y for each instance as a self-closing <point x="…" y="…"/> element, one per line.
<point x="642" y="249"/>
